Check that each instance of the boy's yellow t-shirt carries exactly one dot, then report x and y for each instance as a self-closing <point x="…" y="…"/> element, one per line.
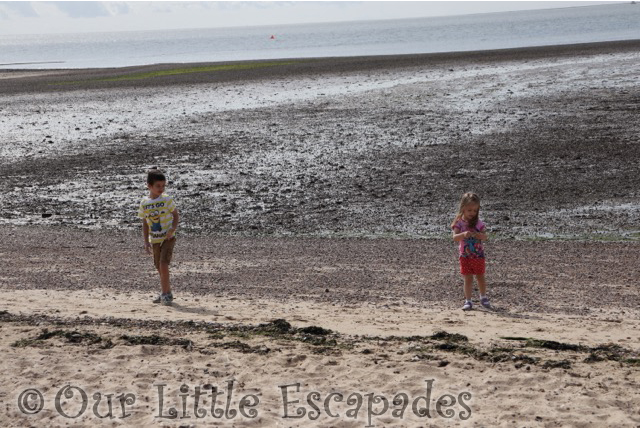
<point x="158" y="214"/>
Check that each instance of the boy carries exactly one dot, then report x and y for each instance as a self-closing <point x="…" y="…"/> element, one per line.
<point x="159" y="222"/>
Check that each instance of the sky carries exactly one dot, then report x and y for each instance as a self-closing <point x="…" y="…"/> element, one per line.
<point x="51" y="17"/>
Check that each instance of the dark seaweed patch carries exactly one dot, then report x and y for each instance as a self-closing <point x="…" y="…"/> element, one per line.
<point x="317" y="331"/>
<point x="450" y="337"/>
<point x="548" y="344"/>
<point x="556" y="346"/>
<point x="73" y="337"/>
<point x="279" y="326"/>
<point x="155" y="340"/>
<point x="282" y="329"/>
<point x="561" y="364"/>
<point x="244" y="348"/>
<point x="608" y="352"/>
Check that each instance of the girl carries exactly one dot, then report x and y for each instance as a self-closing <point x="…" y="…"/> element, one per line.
<point x="469" y="230"/>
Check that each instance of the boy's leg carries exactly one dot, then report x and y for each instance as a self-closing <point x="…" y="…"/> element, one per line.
<point x="164" y="277"/>
<point x="166" y="254"/>
<point x="157" y="254"/>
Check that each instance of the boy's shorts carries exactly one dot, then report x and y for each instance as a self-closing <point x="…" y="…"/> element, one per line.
<point x="471" y="266"/>
<point x="163" y="252"/>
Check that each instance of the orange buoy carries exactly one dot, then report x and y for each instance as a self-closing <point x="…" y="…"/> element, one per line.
<point x="273" y="37"/>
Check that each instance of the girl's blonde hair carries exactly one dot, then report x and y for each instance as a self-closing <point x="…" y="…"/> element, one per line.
<point x="468" y="198"/>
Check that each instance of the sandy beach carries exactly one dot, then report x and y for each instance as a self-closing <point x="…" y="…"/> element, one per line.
<point x="315" y="280"/>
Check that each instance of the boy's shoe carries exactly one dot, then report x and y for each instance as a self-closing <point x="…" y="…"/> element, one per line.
<point x="159" y="298"/>
<point x="485" y="302"/>
<point x="467" y="305"/>
<point x="166" y="299"/>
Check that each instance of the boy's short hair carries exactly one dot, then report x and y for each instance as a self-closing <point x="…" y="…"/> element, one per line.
<point x="153" y="175"/>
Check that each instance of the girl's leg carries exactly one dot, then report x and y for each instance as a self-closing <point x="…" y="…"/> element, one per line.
<point x="468" y="286"/>
<point x="482" y="285"/>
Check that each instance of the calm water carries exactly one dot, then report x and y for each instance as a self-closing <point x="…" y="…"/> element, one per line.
<point x="421" y="35"/>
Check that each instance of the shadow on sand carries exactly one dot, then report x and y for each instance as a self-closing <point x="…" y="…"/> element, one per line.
<point x="194" y="310"/>
<point x="505" y="313"/>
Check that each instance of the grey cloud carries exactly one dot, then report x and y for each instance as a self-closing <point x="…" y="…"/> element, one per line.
<point x="82" y="9"/>
<point x="172" y="6"/>
<point x="24" y="9"/>
<point x="119" y="8"/>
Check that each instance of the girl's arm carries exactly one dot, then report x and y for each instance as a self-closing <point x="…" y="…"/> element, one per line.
<point x="482" y="233"/>
<point x="457" y="236"/>
<point x="482" y="236"/>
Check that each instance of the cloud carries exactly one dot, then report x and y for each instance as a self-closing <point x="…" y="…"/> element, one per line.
<point x="43" y="17"/>
<point x="118" y="8"/>
<point x="22" y="9"/>
<point x="82" y="9"/>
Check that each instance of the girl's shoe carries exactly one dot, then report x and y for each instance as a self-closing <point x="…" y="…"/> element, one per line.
<point x="485" y="302"/>
<point x="467" y="305"/>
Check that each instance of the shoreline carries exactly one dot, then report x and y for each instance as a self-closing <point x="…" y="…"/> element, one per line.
<point x="30" y="81"/>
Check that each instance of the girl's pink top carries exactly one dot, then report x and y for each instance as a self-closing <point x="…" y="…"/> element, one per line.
<point x="470" y="247"/>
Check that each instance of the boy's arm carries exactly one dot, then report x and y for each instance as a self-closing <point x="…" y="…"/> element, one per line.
<point x="174" y="224"/>
<point x="145" y="235"/>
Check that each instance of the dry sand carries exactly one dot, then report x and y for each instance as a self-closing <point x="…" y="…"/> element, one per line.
<point x="510" y="385"/>
<point x="314" y="249"/>
<point x="392" y="308"/>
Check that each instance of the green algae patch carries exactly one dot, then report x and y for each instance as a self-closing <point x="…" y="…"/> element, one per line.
<point x="179" y="71"/>
<point x="189" y="70"/>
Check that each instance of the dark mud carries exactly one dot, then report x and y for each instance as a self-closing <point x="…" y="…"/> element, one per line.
<point x="546" y="136"/>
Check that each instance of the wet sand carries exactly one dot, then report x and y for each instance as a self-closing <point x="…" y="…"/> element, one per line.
<point x="319" y="193"/>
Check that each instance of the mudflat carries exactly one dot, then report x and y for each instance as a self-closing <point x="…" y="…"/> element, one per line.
<point x="549" y="142"/>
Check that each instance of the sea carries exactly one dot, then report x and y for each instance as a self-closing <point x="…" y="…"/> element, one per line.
<point x="609" y="22"/>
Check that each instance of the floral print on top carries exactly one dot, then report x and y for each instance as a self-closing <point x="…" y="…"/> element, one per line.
<point x="470" y="247"/>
